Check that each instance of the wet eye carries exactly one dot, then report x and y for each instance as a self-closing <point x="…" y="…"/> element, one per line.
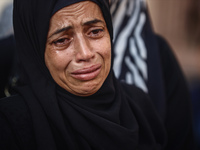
<point x="96" y="33"/>
<point x="61" y="42"/>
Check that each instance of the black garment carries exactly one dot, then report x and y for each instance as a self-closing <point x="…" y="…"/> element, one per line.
<point x="16" y="127"/>
<point x="18" y="133"/>
<point x="178" y="111"/>
<point x="115" y="117"/>
<point x="195" y="94"/>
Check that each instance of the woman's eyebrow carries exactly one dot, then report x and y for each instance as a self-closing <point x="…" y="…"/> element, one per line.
<point x="60" y="30"/>
<point x="94" y="21"/>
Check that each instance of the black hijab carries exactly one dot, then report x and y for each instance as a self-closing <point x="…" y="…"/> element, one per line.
<point x="111" y="119"/>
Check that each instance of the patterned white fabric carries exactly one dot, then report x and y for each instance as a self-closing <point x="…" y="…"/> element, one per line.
<point x="130" y="61"/>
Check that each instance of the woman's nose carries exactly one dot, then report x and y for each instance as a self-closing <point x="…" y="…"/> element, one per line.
<point x="83" y="48"/>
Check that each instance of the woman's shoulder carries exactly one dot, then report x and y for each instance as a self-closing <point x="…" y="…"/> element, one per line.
<point x="11" y="100"/>
<point x="13" y="105"/>
<point x="15" y="123"/>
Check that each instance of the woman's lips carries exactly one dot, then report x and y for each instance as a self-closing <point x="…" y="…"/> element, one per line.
<point x="87" y="73"/>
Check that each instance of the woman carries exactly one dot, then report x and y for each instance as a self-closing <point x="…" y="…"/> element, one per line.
<point x="69" y="97"/>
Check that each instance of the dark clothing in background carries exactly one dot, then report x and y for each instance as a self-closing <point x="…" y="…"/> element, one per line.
<point x="178" y="111"/>
<point x="195" y="94"/>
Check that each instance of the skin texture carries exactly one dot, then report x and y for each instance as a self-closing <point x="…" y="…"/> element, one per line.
<point x="78" y="48"/>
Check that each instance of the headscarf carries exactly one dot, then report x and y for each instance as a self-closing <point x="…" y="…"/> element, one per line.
<point x="109" y="119"/>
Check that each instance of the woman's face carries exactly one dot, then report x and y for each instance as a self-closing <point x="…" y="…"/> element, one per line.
<point x="78" y="48"/>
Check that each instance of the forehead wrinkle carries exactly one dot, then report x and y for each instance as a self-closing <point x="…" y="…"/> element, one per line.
<point x="74" y="10"/>
<point x="78" y="9"/>
<point x="66" y="17"/>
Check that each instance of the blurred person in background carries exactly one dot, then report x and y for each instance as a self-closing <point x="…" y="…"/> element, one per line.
<point x="146" y="60"/>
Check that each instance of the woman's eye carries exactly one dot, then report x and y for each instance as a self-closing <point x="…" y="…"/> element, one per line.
<point x="61" y="42"/>
<point x="96" y="33"/>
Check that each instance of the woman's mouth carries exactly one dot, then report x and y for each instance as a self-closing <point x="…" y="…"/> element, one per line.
<point x="86" y="74"/>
